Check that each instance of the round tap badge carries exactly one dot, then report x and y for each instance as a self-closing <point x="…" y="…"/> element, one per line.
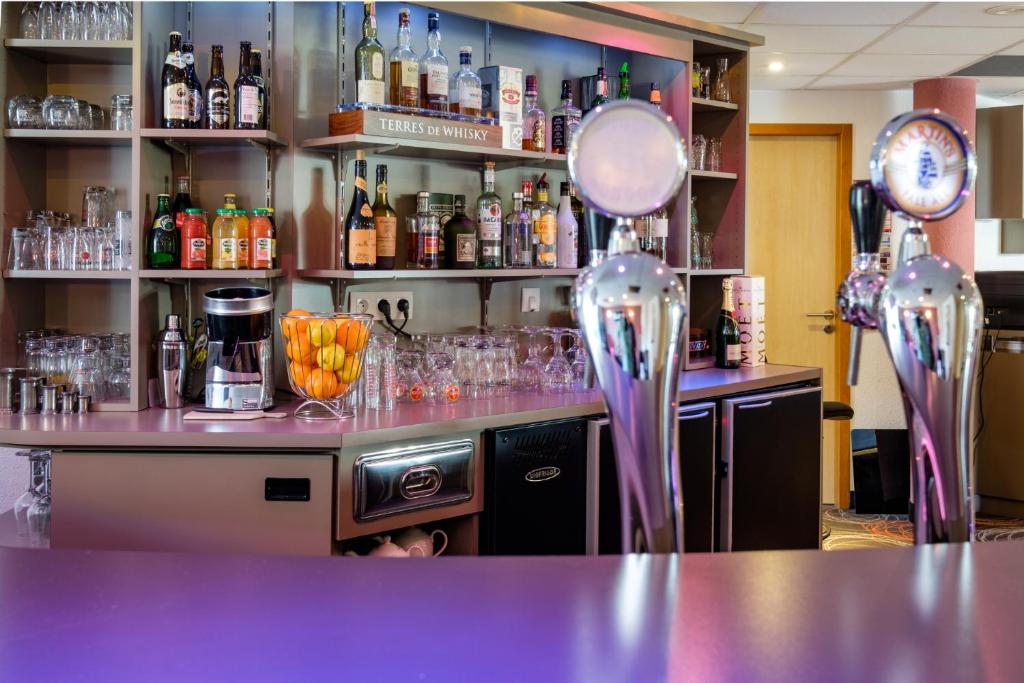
<point x="923" y="164"/>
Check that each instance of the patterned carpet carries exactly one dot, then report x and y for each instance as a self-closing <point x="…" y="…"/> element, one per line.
<point x="850" y="530"/>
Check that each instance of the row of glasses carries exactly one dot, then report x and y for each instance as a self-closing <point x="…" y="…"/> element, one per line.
<point x="65" y="112"/>
<point x="702" y="250"/>
<point x="71" y="248"/>
<point x="706" y="153"/>
<point x="91" y="365"/>
<point x="76" y="21"/>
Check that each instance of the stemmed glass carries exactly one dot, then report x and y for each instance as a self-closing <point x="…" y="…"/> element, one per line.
<point x="38" y="475"/>
<point x="557" y="377"/>
<point x="577" y="357"/>
<point x="531" y="371"/>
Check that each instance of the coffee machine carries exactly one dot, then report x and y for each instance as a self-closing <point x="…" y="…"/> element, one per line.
<point x="928" y="311"/>
<point x="240" y="360"/>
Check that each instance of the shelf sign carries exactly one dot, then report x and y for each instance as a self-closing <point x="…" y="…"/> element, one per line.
<point x="408" y="127"/>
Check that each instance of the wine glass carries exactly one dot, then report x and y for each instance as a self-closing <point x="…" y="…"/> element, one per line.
<point x="557" y="376"/>
<point x="577" y="357"/>
<point x="530" y="372"/>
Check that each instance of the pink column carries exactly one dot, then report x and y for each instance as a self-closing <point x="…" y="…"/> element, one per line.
<point x="954" y="236"/>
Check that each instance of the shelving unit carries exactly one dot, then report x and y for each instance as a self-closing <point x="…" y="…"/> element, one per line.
<point x="81" y="138"/>
<point x="209" y="274"/>
<point x="104" y="52"/>
<point x="437" y="151"/>
<point x="215" y="138"/>
<point x="713" y="175"/>
<point x="444" y="274"/>
<point x="67" y="275"/>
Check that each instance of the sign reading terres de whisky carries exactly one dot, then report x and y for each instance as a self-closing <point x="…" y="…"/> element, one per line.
<point x="409" y="127"/>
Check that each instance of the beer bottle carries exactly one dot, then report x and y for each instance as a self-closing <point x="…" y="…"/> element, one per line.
<point x="218" y="107"/>
<point x="175" y="86"/>
<point x="195" y="88"/>
<point x="247" y="91"/>
<point x="257" y="73"/>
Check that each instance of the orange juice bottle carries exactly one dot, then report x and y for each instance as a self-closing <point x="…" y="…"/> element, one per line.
<point x="242" y="235"/>
<point x="225" y="240"/>
<point x="261" y="235"/>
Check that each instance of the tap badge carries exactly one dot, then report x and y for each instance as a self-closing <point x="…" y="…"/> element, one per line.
<point x="923" y="164"/>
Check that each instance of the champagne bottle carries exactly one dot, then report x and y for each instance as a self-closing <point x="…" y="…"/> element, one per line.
<point x="727" y="332"/>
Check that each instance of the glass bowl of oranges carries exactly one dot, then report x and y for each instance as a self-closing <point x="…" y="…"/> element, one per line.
<point x="325" y="359"/>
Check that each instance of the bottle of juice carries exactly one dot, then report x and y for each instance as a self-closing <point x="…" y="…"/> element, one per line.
<point x="273" y="237"/>
<point x="242" y="235"/>
<point x="225" y="241"/>
<point x="193" y="240"/>
<point x="261" y="235"/>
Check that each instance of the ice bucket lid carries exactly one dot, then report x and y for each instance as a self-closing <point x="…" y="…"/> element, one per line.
<point x="238" y="301"/>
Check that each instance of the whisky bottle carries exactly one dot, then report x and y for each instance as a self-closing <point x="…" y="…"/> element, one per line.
<point x="727" y="332"/>
<point x="369" y="60"/>
<point x="385" y="222"/>
<point x="360" y="231"/>
<point x="434" y="69"/>
<point x="564" y="121"/>
<point x="404" y="67"/>
<point x="533" y="119"/>
<point x="464" y="95"/>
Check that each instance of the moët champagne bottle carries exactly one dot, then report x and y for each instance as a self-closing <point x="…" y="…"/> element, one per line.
<point x="727" y="332"/>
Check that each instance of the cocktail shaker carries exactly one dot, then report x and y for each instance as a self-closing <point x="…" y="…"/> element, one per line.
<point x="172" y="367"/>
<point x="8" y="378"/>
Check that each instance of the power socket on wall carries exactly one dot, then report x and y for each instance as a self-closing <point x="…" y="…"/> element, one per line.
<point x="366" y="302"/>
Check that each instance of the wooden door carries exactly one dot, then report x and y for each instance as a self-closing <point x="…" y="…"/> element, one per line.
<point x="799" y="239"/>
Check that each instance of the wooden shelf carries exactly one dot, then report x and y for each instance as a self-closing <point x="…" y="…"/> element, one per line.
<point x="73" y="51"/>
<point x="67" y="274"/>
<point x="214" y="138"/>
<point x="717" y="271"/>
<point x="712" y="175"/>
<point x="92" y="138"/>
<point x="210" y="274"/>
<point x="416" y="274"/>
<point x="700" y="104"/>
<point x="442" y="151"/>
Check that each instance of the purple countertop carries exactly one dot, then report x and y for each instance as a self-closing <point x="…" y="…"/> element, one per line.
<point x="912" y="614"/>
<point x="157" y="428"/>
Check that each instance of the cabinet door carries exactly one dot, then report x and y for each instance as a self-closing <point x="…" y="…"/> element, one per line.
<point x="535" y="489"/>
<point x="771" y="491"/>
<point x="697" y="459"/>
<point x="194" y="502"/>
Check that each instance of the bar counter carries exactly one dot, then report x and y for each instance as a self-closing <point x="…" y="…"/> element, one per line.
<point x="157" y="428"/>
<point x="932" y="613"/>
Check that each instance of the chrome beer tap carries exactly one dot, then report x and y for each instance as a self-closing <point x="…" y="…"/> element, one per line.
<point x="929" y="313"/>
<point x="628" y="160"/>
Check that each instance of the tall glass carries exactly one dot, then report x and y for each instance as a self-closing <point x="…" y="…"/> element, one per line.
<point x="722" y="91"/>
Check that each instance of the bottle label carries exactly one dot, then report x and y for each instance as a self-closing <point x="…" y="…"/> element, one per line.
<point x="377" y="66"/>
<point x="465" y="248"/>
<point x="409" y="75"/>
<point x="264" y="250"/>
<point x="249" y="104"/>
<point x="659" y="227"/>
<point x="243" y="251"/>
<point x="538" y="135"/>
<point x="387" y="233"/>
<point x="175" y="59"/>
<point x="546" y="228"/>
<point x="452" y="393"/>
<point x="163" y="222"/>
<point x="370" y="91"/>
<point x="197" y="250"/>
<point x="430" y="245"/>
<point x="176" y="97"/>
<point x="362" y="247"/>
<point x="732" y="352"/>
<point x="489" y="225"/>
<point x="365" y="211"/>
<point x="273" y="249"/>
<point x="469" y="96"/>
<point x="217" y="106"/>
<point x="361" y="183"/>
<point x="558" y="132"/>
<point x="226" y="252"/>
<point x="416" y="392"/>
<point x="437" y="79"/>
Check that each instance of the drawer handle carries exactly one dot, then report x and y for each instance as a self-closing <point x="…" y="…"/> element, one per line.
<point x="751" y="406"/>
<point x="420" y="481"/>
<point x="694" y="416"/>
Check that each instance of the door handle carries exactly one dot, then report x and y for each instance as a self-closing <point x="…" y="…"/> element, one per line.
<point x="751" y="406"/>
<point x="827" y="315"/>
<point x="694" y="416"/>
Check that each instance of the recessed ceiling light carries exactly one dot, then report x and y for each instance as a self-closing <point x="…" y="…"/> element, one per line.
<point x="1004" y="10"/>
<point x="775" y="67"/>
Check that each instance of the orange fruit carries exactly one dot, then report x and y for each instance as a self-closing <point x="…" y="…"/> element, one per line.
<point x="298" y="349"/>
<point x="342" y="386"/>
<point x="330" y="357"/>
<point x="321" y="384"/>
<point x="300" y="372"/>
<point x="290" y="327"/>
<point x="350" y="369"/>
<point x="353" y="335"/>
<point x="322" y="332"/>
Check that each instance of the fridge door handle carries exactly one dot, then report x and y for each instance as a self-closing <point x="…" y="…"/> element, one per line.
<point x="751" y="406"/>
<point x="694" y="416"/>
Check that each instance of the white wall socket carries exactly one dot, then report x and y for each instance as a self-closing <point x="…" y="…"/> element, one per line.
<point x="530" y="299"/>
<point x="366" y="302"/>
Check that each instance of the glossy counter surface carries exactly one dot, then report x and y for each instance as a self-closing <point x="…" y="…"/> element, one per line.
<point x="156" y="428"/>
<point x="912" y="614"/>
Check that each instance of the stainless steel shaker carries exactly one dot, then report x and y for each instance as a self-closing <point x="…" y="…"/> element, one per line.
<point x="8" y="378"/>
<point x="172" y="366"/>
<point x="29" y="395"/>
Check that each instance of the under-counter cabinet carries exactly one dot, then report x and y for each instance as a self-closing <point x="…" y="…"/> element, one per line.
<point x="210" y="502"/>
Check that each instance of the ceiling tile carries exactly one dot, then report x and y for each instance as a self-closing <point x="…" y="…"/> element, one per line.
<point x="794" y="63"/>
<point x="716" y="12"/>
<point x="918" y="40"/>
<point x="776" y="82"/>
<point x="967" y="14"/>
<point x="836" y="13"/>
<point x="815" y="38"/>
<point x="858" y="83"/>
<point x="891" y="67"/>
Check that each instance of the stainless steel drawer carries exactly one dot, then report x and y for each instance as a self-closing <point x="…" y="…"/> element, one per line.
<point x="411" y="478"/>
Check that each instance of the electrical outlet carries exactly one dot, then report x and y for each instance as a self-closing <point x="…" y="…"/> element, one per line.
<point x="366" y="302"/>
<point x="530" y="299"/>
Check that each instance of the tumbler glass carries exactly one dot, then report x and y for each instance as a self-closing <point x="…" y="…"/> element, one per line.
<point x="49" y="21"/>
<point x="84" y="115"/>
<point x="410" y="387"/>
<point x="60" y="112"/>
<point x="96" y="205"/>
<point x="29" y="23"/>
<point x="714" y="154"/>
<point x="444" y="388"/>
<point x="67" y="20"/>
<point x="24" y="111"/>
<point x="122" y="240"/>
<point x="121" y="112"/>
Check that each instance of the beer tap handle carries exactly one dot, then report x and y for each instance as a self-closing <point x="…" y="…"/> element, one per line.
<point x="853" y="370"/>
<point x="867" y="211"/>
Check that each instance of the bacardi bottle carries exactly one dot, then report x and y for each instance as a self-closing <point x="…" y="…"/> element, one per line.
<point x="489" y="224"/>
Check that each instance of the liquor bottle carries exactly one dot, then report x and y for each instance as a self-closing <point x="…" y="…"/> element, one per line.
<point x="624" y="81"/>
<point x="428" y="229"/>
<point x="218" y="99"/>
<point x="545" y="228"/>
<point x="564" y="121"/>
<point x="164" y="247"/>
<point x="464" y="95"/>
<point x="518" y="235"/>
<point x="488" y="216"/>
<point x="360" y="233"/>
<point x="657" y="234"/>
<point x="695" y="80"/>
<point x="257" y="73"/>
<point x="369" y="60"/>
<point x="385" y="221"/>
<point x="434" y="69"/>
<point x="404" y="67"/>
<point x="460" y="237"/>
<point x="195" y="88"/>
<point x="174" y="81"/>
<point x="583" y="251"/>
<point x="601" y="88"/>
<point x="533" y="118"/>
<point x="727" y="332"/>
<point x="567" y="254"/>
<point x="247" y="91"/>
<point x="655" y="96"/>
<point x="182" y="201"/>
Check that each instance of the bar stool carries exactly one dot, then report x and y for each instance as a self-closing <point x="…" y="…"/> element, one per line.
<point x="834" y="410"/>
